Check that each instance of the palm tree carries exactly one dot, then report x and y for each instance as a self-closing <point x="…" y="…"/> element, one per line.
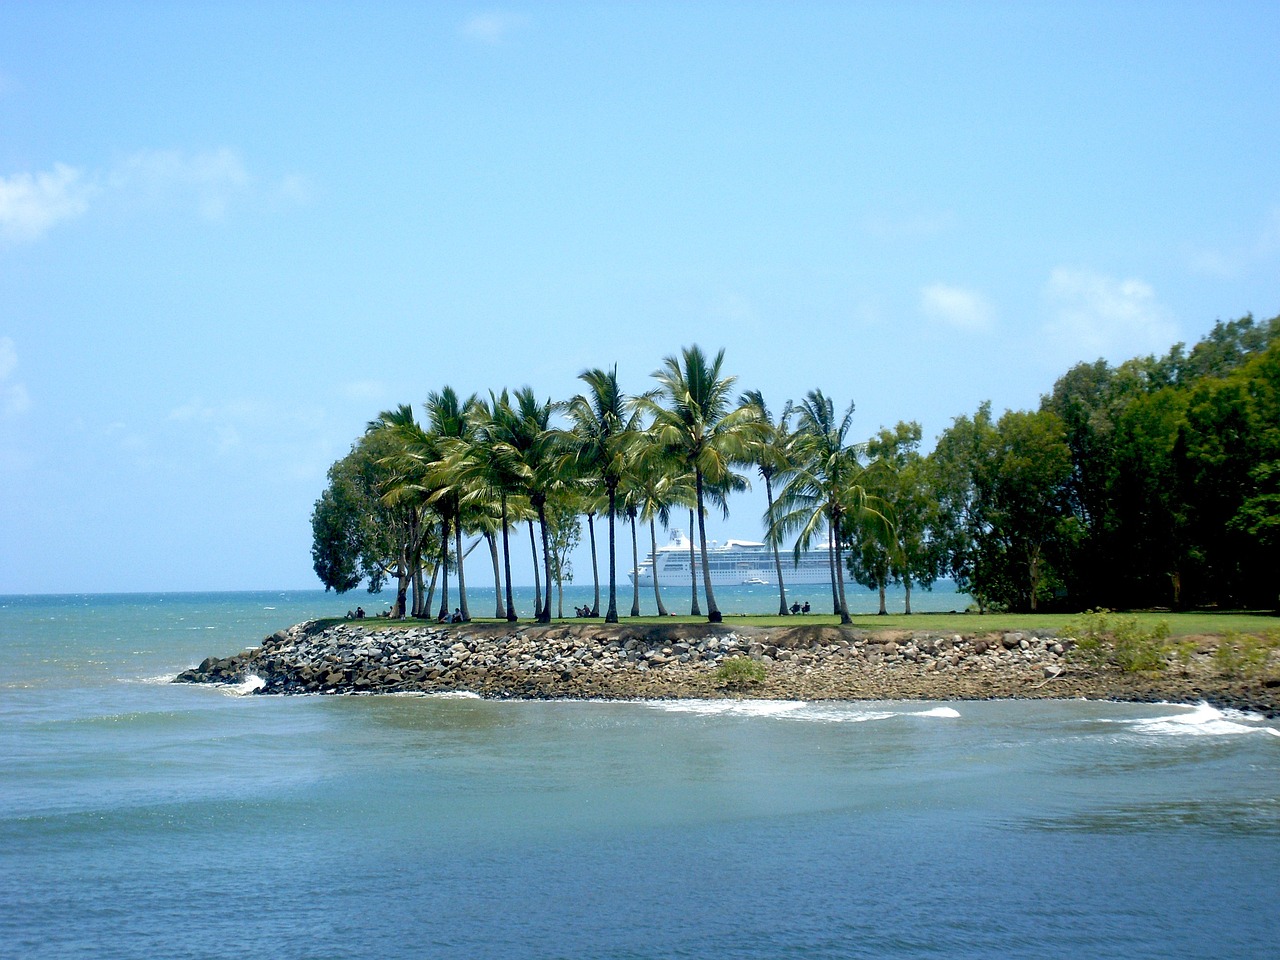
<point x="631" y="507"/>
<point x="408" y="488"/>
<point x="536" y="445"/>
<point x="772" y="457"/>
<point x="591" y="507"/>
<point x="703" y="431"/>
<point x="604" y="427"/>
<point x="499" y="463"/>
<point x="659" y="490"/>
<point x="452" y="425"/>
<point x="826" y="484"/>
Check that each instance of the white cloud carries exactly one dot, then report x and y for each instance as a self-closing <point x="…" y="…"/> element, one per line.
<point x="1098" y="316"/>
<point x="957" y="307"/>
<point x="31" y="204"/>
<point x="493" y="27"/>
<point x="14" y="398"/>
<point x="209" y="179"/>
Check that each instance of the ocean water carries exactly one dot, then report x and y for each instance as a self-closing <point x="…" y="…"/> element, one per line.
<point x="145" y="819"/>
<point x="732" y="599"/>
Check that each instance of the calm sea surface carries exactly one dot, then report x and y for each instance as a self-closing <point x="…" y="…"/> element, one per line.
<point x="140" y="819"/>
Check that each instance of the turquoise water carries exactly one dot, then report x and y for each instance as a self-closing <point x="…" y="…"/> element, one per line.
<point x="143" y="819"/>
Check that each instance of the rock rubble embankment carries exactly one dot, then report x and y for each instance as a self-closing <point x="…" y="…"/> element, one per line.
<point x="643" y="661"/>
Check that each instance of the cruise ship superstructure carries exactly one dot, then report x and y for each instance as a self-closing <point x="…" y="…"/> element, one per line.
<point x="733" y="562"/>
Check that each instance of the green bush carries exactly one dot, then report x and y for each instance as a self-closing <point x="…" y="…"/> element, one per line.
<point x="739" y="672"/>
<point x="1104" y="639"/>
<point x="1244" y="655"/>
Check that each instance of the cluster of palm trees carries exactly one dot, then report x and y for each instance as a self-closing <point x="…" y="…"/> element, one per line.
<point x="481" y="466"/>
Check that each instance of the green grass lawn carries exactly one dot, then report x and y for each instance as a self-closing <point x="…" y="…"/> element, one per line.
<point x="1180" y="624"/>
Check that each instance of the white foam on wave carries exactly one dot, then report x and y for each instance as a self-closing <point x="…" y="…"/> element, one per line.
<point x="795" y="710"/>
<point x="163" y="678"/>
<point x="736" y="708"/>
<point x="945" y="713"/>
<point x="251" y="683"/>
<point x="1203" y="720"/>
<point x="454" y="695"/>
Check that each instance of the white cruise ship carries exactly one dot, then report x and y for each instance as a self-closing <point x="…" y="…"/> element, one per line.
<point x="732" y="562"/>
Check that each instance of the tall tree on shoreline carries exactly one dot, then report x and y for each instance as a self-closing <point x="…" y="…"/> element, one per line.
<point x="826" y="485"/>
<point x="450" y="425"/>
<point x="598" y="447"/>
<point x="704" y="431"/>
<point x="773" y="458"/>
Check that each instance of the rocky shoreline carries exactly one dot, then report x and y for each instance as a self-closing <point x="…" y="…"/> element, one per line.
<point x="685" y="660"/>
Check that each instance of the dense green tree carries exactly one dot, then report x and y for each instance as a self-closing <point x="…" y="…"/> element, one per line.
<point x="1004" y="504"/>
<point x="902" y="551"/>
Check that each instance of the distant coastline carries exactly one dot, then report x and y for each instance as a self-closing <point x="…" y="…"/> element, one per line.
<point x="685" y="660"/>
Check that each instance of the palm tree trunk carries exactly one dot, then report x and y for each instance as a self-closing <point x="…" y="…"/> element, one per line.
<point x="831" y="559"/>
<point x="657" y="594"/>
<point x="713" y="612"/>
<point x="415" y="562"/>
<point x="444" y="566"/>
<point x="419" y="592"/>
<point x="402" y="590"/>
<point x="462" y="579"/>
<point x="884" y="612"/>
<point x="537" y="577"/>
<point x="694" y="610"/>
<point x="777" y="558"/>
<point x="611" y="615"/>
<point x="635" y="567"/>
<point x="595" y="567"/>
<point x="506" y="561"/>
<point x="431" y="590"/>
<point x="844" y="607"/>
<point x="545" y="615"/>
<point x="498" y="612"/>
<point x="906" y="582"/>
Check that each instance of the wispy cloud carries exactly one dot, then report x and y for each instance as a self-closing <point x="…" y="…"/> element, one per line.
<point x="957" y="307"/>
<point x="211" y="180"/>
<point x="493" y="27"/>
<point x="14" y="398"/>
<point x="1098" y="316"/>
<point x="32" y="203"/>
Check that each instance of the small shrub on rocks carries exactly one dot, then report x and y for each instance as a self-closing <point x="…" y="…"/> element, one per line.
<point x="739" y="672"/>
<point x="1245" y="656"/>
<point x="1103" y="639"/>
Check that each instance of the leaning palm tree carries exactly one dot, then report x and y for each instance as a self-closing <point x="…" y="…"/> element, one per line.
<point x="772" y="457"/>
<point x="597" y="447"/>
<point x="826" y="486"/>
<point x="703" y="430"/>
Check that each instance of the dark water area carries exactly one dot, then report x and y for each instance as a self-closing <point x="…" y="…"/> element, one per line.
<point x="144" y="819"/>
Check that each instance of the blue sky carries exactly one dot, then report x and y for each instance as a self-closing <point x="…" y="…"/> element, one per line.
<point x="232" y="233"/>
